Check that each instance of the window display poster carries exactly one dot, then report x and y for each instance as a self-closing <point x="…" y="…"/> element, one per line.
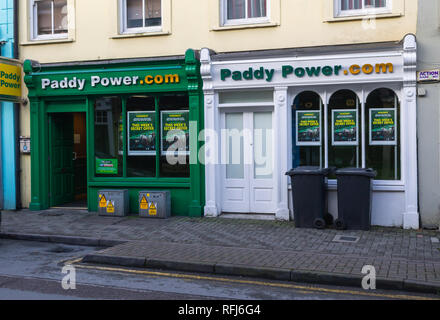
<point x="383" y="126"/>
<point x="175" y="131"/>
<point x="141" y="133"/>
<point x="345" y="127"/>
<point x="308" y="128"/>
<point x="106" y="166"/>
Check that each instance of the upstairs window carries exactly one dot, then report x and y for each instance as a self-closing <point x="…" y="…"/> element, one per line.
<point x="362" y="7"/>
<point x="49" y="19"/>
<point x="244" y="11"/>
<point x="141" y="16"/>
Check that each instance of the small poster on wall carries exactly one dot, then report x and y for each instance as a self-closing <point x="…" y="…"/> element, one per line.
<point x="141" y="133"/>
<point x="106" y="166"/>
<point x="345" y="127"/>
<point x="308" y="128"/>
<point x="383" y="126"/>
<point x="175" y="132"/>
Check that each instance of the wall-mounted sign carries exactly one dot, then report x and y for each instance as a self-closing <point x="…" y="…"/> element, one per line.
<point x="308" y="128"/>
<point x="383" y="126"/>
<point x="106" y="166"/>
<point x="10" y="80"/>
<point x="288" y="71"/>
<point x="428" y="75"/>
<point x="345" y="127"/>
<point x="141" y="133"/>
<point x="175" y="132"/>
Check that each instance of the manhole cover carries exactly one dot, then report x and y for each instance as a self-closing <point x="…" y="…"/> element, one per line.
<point x="342" y="238"/>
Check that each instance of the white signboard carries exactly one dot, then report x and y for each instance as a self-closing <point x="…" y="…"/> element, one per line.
<point x="428" y="75"/>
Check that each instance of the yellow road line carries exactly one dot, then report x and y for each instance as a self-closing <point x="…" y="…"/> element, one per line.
<point x="252" y="282"/>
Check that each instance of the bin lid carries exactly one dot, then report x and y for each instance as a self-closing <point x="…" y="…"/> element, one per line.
<point x="308" y="170"/>
<point x="366" y="172"/>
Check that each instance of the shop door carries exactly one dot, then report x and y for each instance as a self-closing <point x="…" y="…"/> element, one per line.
<point x="61" y="159"/>
<point x="247" y="152"/>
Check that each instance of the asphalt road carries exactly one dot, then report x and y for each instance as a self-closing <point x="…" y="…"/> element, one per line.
<point x="33" y="270"/>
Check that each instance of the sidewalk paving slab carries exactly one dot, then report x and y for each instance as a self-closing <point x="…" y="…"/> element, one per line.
<point x="404" y="259"/>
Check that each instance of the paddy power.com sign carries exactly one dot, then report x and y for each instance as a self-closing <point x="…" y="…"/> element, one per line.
<point x="10" y="80"/>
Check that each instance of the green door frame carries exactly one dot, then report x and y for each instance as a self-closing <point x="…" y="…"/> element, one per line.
<point x="45" y="100"/>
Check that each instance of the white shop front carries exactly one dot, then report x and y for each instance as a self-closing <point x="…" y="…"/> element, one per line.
<point x="344" y="106"/>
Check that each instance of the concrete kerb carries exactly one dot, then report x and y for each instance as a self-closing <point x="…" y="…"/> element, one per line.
<point x="70" y="240"/>
<point x="298" y="276"/>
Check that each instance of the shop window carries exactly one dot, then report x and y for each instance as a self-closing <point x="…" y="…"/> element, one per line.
<point x="344" y="148"/>
<point x="383" y="150"/>
<point x="174" y="138"/>
<point x="244" y="11"/>
<point x="362" y="7"/>
<point x="49" y="19"/>
<point x="307" y="115"/>
<point x="141" y="136"/>
<point x="141" y="15"/>
<point x="108" y="137"/>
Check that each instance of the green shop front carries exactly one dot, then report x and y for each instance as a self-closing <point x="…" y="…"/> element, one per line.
<point x="130" y="124"/>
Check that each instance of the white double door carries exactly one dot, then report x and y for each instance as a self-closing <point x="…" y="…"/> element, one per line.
<point x="247" y="157"/>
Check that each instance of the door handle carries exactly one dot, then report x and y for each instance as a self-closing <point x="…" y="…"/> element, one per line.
<point x="74" y="156"/>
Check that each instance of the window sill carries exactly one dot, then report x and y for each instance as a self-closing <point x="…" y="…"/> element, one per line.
<point x="245" y="26"/>
<point x="363" y="16"/>
<point x="141" y="34"/>
<point x="51" y="41"/>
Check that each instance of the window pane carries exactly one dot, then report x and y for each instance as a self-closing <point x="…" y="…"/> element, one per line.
<point x="108" y="137"/>
<point x="44" y="17"/>
<point x="174" y="113"/>
<point x="383" y="157"/>
<point x="341" y="154"/>
<point x="263" y="146"/>
<point x="141" y="123"/>
<point x="375" y="3"/>
<point x="256" y="8"/>
<point x="234" y="145"/>
<point x="153" y="13"/>
<point x="351" y="4"/>
<point x="236" y="9"/>
<point x="134" y="14"/>
<point x="60" y="16"/>
<point x="305" y="152"/>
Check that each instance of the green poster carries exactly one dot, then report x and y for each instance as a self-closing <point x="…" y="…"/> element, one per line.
<point x="175" y="132"/>
<point x="383" y="126"/>
<point x="345" y="127"/>
<point x="141" y="133"/>
<point x="308" y="128"/>
<point x="106" y="166"/>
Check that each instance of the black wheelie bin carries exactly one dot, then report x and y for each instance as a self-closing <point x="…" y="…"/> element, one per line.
<point x="354" y="198"/>
<point x="309" y="195"/>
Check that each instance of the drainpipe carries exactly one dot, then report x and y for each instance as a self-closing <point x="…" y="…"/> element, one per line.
<point x="17" y="106"/>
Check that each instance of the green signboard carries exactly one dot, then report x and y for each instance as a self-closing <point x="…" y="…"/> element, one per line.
<point x="345" y="127"/>
<point x="175" y="132"/>
<point x="106" y="166"/>
<point x="383" y="126"/>
<point x="308" y="128"/>
<point x="141" y="133"/>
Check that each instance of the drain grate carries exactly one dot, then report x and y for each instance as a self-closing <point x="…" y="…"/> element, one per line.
<point x="347" y="239"/>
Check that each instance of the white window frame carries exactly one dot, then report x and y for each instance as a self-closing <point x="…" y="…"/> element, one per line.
<point x="233" y="22"/>
<point x="34" y="24"/>
<point x="362" y="12"/>
<point x="123" y="19"/>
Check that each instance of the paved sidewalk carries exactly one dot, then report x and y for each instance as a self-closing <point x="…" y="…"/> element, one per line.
<point x="403" y="259"/>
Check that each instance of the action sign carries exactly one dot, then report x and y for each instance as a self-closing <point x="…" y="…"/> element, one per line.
<point x="175" y="132"/>
<point x="308" y="128"/>
<point x="141" y="133"/>
<point x="10" y="80"/>
<point x="345" y="127"/>
<point x="383" y="126"/>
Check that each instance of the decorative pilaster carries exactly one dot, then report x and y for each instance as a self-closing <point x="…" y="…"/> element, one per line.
<point x="409" y="142"/>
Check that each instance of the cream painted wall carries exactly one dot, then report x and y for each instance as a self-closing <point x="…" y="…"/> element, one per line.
<point x="93" y="35"/>
<point x="195" y="24"/>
